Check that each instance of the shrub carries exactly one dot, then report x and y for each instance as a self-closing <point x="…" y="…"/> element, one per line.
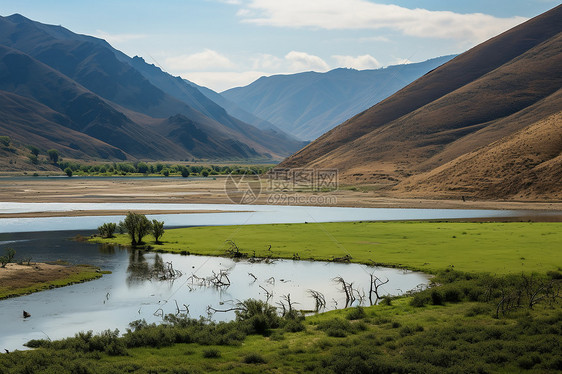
<point x="254" y="358"/>
<point x="107" y="229"/>
<point x="452" y="295"/>
<point x="53" y="155"/>
<point x="211" y="353"/>
<point x="356" y="313"/>
<point x="68" y="172"/>
<point x="336" y="327"/>
<point x="420" y="299"/>
<point x="7" y="258"/>
<point x="5" y="141"/>
<point x="258" y="315"/>
<point x="436" y="297"/>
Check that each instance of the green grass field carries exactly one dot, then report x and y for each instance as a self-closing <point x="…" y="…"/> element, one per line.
<point x="458" y="328"/>
<point x="497" y="248"/>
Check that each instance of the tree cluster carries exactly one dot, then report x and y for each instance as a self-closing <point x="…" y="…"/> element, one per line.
<point x="138" y="226"/>
<point x="7" y="258"/>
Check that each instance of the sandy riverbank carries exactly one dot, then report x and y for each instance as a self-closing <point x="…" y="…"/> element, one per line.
<point x="212" y="191"/>
<point x="18" y="279"/>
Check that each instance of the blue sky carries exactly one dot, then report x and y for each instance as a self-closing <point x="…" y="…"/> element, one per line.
<point x="227" y="43"/>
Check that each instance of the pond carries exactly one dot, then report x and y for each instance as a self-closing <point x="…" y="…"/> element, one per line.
<point x="230" y="214"/>
<point x="132" y="291"/>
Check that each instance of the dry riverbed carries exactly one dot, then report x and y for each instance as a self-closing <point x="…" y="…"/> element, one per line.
<point x="212" y="191"/>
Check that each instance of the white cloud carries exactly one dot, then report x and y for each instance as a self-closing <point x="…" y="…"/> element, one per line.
<point x="363" y="14"/>
<point x="402" y="61"/>
<point x="359" y="62"/>
<point x="375" y="39"/>
<point x="118" y="38"/>
<point x="266" y="62"/>
<point x="201" y="61"/>
<point x="302" y="61"/>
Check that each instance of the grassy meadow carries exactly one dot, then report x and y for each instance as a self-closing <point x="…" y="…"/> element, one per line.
<point x="494" y="308"/>
<point x="498" y="248"/>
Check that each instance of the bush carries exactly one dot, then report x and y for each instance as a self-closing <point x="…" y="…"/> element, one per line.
<point x="337" y="327"/>
<point x="211" y="353"/>
<point x="7" y="258"/>
<point x="5" y="141"/>
<point x="107" y="229"/>
<point x="53" y="155"/>
<point x="356" y="313"/>
<point x="452" y="295"/>
<point x="436" y="297"/>
<point x="254" y="358"/>
<point x="142" y="168"/>
<point x="258" y="315"/>
<point x="68" y="172"/>
<point x="420" y="299"/>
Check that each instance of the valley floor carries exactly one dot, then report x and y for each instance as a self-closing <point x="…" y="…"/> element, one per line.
<point x="212" y="191"/>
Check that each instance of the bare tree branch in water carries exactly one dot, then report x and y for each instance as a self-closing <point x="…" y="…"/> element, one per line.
<point x="347" y="289"/>
<point x="268" y="294"/>
<point x="319" y="300"/>
<point x="376" y="283"/>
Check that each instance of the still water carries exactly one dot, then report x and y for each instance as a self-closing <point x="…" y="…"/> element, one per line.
<point x="231" y="215"/>
<point x="131" y="292"/>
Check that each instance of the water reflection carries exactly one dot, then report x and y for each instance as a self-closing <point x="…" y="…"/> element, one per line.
<point x="138" y="270"/>
<point x="148" y="285"/>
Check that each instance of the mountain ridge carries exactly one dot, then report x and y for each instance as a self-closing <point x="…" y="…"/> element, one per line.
<point x="310" y="103"/>
<point x="107" y="78"/>
<point x="488" y="93"/>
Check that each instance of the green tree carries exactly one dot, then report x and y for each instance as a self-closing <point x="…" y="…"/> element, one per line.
<point x="142" y="168"/>
<point x="33" y="159"/>
<point x="53" y="155"/>
<point x="68" y="172"/>
<point x="137" y="226"/>
<point x="157" y="230"/>
<point x="107" y="229"/>
<point x="166" y="172"/>
<point x="205" y="173"/>
<point x="184" y="172"/>
<point x="5" y="140"/>
<point x="7" y="258"/>
<point x="34" y="150"/>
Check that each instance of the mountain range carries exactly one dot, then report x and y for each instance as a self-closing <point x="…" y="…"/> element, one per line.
<point x="307" y="105"/>
<point x="487" y="124"/>
<point x="78" y="94"/>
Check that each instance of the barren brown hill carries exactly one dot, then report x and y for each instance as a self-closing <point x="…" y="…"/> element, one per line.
<point x="527" y="164"/>
<point x="492" y="91"/>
